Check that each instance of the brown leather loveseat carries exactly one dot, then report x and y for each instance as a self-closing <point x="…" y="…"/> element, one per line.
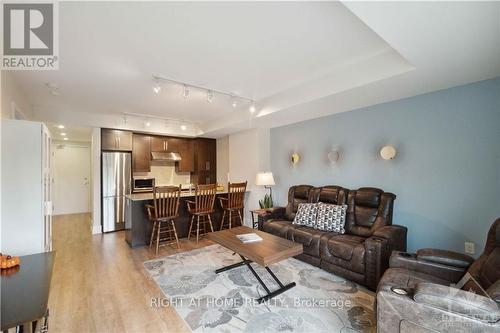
<point x="362" y="253"/>
<point x="418" y="293"/>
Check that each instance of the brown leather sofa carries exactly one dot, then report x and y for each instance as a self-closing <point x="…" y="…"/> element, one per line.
<point x="362" y="253"/>
<point x="431" y="302"/>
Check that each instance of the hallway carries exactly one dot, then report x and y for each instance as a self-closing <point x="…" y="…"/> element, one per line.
<point x="99" y="283"/>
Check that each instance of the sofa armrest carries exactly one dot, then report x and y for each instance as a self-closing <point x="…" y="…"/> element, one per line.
<point x="445" y="257"/>
<point x="394" y="234"/>
<point x="273" y="214"/>
<point x="378" y="249"/>
<point x="452" y="274"/>
<point x="458" y="301"/>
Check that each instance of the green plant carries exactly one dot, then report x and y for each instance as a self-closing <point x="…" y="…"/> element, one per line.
<point x="267" y="202"/>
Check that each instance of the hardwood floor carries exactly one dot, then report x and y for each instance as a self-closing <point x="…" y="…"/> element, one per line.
<point x="99" y="283"/>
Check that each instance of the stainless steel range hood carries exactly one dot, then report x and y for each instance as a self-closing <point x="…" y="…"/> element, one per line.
<point x="163" y="156"/>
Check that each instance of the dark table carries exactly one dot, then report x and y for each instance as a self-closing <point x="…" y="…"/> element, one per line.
<point x="25" y="294"/>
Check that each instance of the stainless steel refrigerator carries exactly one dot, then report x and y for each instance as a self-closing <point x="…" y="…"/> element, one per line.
<point x="116" y="183"/>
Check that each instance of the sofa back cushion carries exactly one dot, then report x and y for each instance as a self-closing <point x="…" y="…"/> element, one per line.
<point x="296" y="195"/>
<point x="368" y="209"/>
<point x="330" y="194"/>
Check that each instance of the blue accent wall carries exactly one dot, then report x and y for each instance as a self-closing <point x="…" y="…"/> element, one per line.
<point x="446" y="174"/>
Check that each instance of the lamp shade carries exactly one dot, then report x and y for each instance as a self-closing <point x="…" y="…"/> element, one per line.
<point x="264" y="179"/>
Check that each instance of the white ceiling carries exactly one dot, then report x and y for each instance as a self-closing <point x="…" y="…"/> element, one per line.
<point x="282" y="54"/>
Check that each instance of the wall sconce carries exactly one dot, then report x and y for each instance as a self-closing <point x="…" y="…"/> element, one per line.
<point x="295" y="158"/>
<point x="333" y="156"/>
<point x="388" y="152"/>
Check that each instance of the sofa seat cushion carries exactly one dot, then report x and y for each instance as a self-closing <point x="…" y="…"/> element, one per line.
<point x="347" y="251"/>
<point x="404" y="278"/>
<point x="308" y="237"/>
<point x="278" y="227"/>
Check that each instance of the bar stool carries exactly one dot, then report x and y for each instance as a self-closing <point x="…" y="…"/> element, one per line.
<point x="162" y="215"/>
<point x="201" y="208"/>
<point x="233" y="203"/>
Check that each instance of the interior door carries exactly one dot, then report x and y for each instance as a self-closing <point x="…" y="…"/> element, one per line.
<point x="71" y="179"/>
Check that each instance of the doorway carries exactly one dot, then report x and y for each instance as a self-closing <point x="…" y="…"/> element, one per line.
<point x="71" y="190"/>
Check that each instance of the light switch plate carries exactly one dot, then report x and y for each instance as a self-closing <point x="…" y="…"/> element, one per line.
<point x="470" y="248"/>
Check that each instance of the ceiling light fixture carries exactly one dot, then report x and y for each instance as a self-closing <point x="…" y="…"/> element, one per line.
<point x="63" y="134"/>
<point x="147" y="123"/>
<point x="210" y="96"/>
<point x="60" y="126"/>
<point x="234" y="99"/>
<point x="252" y="108"/>
<point x="183" y="127"/>
<point x="157" y="88"/>
<point x="65" y="139"/>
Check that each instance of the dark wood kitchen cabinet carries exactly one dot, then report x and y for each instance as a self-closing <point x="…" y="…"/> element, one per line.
<point x="186" y="150"/>
<point x="159" y="143"/>
<point x="205" y="160"/>
<point x="116" y="140"/>
<point x="164" y="144"/>
<point x="141" y="153"/>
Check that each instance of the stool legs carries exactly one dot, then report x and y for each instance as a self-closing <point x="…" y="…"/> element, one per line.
<point x="163" y="227"/>
<point x="201" y="222"/>
<point x="222" y="220"/>
<point x="241" y="219"/>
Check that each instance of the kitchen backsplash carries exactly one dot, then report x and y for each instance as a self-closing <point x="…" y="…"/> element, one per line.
<point x="164" y="174"/>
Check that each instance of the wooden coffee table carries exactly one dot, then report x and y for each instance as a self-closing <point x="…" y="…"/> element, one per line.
<point x="270" y="250"/>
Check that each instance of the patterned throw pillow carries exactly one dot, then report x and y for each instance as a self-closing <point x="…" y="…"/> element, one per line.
<point x="331" y="217"/>
<point x="306" y="214"/>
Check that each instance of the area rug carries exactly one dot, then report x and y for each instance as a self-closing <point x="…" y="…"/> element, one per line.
<point x="225" y="302"/>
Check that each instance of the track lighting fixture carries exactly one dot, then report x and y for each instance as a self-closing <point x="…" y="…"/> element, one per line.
<point x="147" y="123"/>
<point x="210" y="96"/>
<point x="235" y="100"/>
<point x="183" y="127"/>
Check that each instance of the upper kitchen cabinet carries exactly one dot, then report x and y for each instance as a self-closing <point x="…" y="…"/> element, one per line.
<point x="116" y="140"/>
<point x="141" y="153"/>
<point x="164" y="144"/>
<point x="186" y="150"/>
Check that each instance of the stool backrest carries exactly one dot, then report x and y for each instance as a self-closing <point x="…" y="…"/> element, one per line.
<point x="166" y="199"/>
<point x="236" y="195"/>
<point x="205" y="197"/>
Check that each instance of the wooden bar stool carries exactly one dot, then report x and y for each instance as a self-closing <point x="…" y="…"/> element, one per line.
<point x="201" y="208"/>
<point x="162" y="214"/>
<point x="233" y="203"/>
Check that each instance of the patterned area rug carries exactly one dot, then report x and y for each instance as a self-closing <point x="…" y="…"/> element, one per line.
<point x="225" y="302"/>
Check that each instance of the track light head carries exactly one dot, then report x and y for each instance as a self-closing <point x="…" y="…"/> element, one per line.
<point x="186" y="91"/>
<point x="210" y="96"/>
<point x="157" y="88"/>
<point x="252" y="108"/>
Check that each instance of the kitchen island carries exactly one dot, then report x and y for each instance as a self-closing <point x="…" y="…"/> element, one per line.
<point x="138" y="227"/>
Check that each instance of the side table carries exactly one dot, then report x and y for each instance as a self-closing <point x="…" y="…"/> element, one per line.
<point x="256" y="213"/>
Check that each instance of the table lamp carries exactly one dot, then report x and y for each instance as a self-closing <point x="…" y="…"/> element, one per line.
<point x="266" y="179"/>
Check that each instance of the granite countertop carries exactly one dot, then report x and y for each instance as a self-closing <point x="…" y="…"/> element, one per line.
<point x="149" y="195"/>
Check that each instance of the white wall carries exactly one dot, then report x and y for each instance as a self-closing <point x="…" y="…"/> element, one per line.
<point x="72" y="185"/>
<point x="248" y="155"/>
<point x="13" y="93"/>
<point x="222" y="160"/>
<point x="95" y="162"/>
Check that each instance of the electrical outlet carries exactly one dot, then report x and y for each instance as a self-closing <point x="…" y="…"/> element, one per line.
<point x="470" y="248"/>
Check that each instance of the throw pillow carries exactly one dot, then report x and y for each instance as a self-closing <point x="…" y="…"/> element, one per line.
<point x="331" y="217"/>
<point x="306" y="214"/>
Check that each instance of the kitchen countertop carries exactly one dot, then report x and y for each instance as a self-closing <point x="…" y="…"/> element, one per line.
<point x="149" y="195"/>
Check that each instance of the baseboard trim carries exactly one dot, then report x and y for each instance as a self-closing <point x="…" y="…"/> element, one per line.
<point x="96" y="229"/>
